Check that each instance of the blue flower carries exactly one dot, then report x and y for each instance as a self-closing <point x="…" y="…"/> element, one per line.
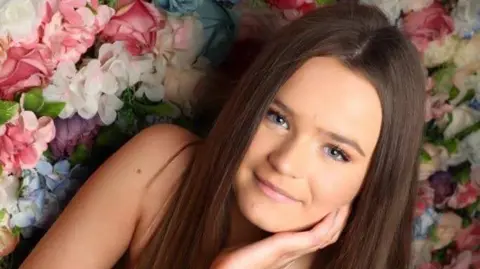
<point x="423" y="223"/>
<point x="178" y="6"/>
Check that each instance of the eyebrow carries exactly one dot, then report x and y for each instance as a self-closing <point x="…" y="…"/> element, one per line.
<point x="337" y="137"/>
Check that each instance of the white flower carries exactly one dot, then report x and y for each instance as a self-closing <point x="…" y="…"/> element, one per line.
<point x="9" y="185"/>
<point x="462" y="117"/>
<point x="415" y="5"/>
<point x="440" y="51"/>
<point x="59" y="89"/>
<point x="108" y="107"/>
<point x="20" y="19"/>
<point x="422" y="252"/>
<point x="391" y="8"/>
<point x="471" y="144"/>
<point x="466" y="17"/>
<point x="468" y="52"/>
<point x="95" y="88"/>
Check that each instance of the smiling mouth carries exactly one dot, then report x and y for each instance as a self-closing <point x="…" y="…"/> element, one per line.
<point x="273" y="191"/>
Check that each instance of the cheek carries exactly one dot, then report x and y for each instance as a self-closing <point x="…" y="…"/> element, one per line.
<point x="337" y="188"/>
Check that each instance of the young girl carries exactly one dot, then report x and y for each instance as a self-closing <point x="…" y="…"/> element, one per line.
<point x="310" y="164"/>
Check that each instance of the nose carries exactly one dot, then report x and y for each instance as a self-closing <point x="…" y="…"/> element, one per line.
<point x="291" y="158"/>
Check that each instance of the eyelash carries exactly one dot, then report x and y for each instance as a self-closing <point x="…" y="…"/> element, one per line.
<point x="341" y="156"/>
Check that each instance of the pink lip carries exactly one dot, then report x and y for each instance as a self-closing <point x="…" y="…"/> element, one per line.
<point x="273" y="192"/>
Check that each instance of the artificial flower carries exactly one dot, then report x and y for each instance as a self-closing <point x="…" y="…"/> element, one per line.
<point x="440" y="51"/>
<point x="72" y="30"/>
<point x="8" y="191"/>
<point x="466" y="18"/>
<point x="71" y="132"/>
<point x="425" y="197"/>
<point x="295" y="13"/>
<point x="24" y="68"/>
<point x="461" y="117"/>
<point x="423" y="223"/>
<point x="287" y="4"/>
<point x="443" y="184"/>
<point x="110" y="74"/>
<point x="178" y="6"/>
<point x="461" y="261"/>
<point x="136" y="24"/>
<point x="427" y="25"/>
<point x="469" y="237"/>
<point x="468" y="52"/>
<point x="464" y="196"/>
<point x="391" y="8"/>
<point x="8" y="241"/>
<point x="475" y="175"/>
<point x="422" y="252"/>
<point x="438" y="160"/>
<point x="437" y="106"/>
<point x="20" y="20"/>
<point x="414" y="5"/>
<point x="24" y="140"/>
<point x="448" y="225"/>
<point x="4" y="45"/>
<point x="471" y="146"/>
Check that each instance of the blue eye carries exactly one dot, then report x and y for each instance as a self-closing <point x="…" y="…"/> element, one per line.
<point x="336" y="153"/>
<point x="277" y="118"/>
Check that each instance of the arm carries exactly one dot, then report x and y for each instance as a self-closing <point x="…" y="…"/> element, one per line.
<point x="98" y="224"/>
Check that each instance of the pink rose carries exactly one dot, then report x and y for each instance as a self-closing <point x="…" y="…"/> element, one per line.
<point x="425" y="196"/>
<point x="475" y="176"/>
<point x="24" y="68"/>
<point x="136" y="24"/>
<point x="286" y="4"/>
<point x="23" y="141"/>
<point x="72" y="29"/>
<point x="430" y="265"/>
<point x="462" y="261"/>
<point x="469" y="237"/>
<point x="465" y="195"/>
<point x="295" y="13"/>
<point x="426" y="25"/>
<point x="4" y="45"/>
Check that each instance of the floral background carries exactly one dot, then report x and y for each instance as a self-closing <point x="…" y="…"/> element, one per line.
<point x="78" y="78"/>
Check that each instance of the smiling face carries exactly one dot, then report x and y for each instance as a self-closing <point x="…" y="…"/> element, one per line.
<point x="311" y="152"/>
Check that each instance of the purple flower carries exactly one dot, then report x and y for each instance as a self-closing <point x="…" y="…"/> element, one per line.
<point x="72" y="132"/>
<point x="443" y="184"/>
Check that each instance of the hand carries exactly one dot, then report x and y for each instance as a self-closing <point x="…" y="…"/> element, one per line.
<point x="281" y="249"/>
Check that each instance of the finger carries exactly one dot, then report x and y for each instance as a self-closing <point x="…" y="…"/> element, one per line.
<point x="337" y="227"/>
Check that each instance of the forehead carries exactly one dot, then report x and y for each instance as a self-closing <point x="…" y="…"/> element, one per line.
<point x="325" y="93"/>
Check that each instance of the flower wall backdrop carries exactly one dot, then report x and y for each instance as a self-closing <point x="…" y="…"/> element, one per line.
<point x="78" y="78"/>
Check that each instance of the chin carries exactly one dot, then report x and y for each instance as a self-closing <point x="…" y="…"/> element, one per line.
<point x="275" y="221"/>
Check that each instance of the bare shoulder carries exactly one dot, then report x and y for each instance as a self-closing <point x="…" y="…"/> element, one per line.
<point x="98" y="225"/>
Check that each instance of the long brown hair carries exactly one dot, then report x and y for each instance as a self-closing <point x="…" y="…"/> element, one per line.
<point x="378" y="233"/>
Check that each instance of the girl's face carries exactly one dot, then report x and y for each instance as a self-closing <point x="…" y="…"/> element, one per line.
<point x="311" y="152"/>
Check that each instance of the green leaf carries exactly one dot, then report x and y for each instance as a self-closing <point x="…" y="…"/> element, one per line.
<point x="33" y="101"/>
<point x="467" y="131"/>
<point x="1" y="169"/>
<point x="16" y="231"/>
<point x="473" y="207"/>
<point x="325" y="2"/>
<point x="3" y="212"/>
<point x="80" y="154"/>
<point x="162" y="109"/>
<point x="110" y="136"/>
<point x="52" y="109"/>
<point x="462" y="176"/>
<point x="8" y="109"/>
<point x="424" y="156"/>
<point x="110" y="3"/>
<point x="453" y="93"/>
<point x="451" y="145"/>
<point x="468" y="96"/>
